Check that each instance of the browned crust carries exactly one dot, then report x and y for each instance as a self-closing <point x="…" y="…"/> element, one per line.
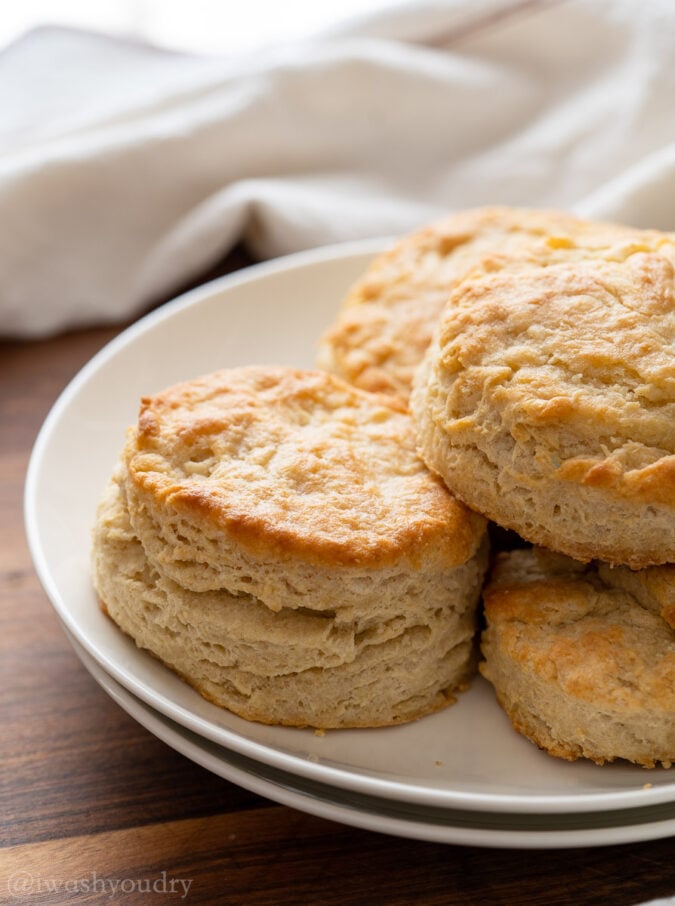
<point x="389" y="316"/>
<point x="585" y="635"/>
<point x="654" y="483"/>
<point x="349" y="491"/>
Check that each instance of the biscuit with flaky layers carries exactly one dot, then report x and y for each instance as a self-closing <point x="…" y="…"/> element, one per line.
<point x="581" y="657"/>
<point x="288" y="485"/>
<point x="547" y="403"/>
<point x="273" y="537"/>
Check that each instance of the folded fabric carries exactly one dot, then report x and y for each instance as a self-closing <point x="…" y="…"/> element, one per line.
<point x="126" y="170"/>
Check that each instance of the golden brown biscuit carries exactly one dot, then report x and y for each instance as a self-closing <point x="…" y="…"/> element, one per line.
<point x="254" y="466"/>
<point x="582" y="666"/>
<point x="547" y="403"/>
<point x="388" y="318"/>
<point x="273" y="537"/>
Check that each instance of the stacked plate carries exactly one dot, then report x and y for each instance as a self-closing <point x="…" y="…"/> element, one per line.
<point x="461" y="776"/>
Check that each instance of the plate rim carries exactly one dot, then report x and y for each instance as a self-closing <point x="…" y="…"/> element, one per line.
<point x="223" y="736"/>
<point x="287" y="791"/>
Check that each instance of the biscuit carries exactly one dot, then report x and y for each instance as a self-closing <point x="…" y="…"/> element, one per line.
<point x="581" y="658"/>
<point x="277" y="481"/>
<point x="388" y="318"/>
<point x="272" y="536"/>
<point x="547" y="402"/>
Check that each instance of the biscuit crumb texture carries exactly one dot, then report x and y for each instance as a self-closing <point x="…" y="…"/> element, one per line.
<point x="272" y="537"/>
<point x="582" y="657"/>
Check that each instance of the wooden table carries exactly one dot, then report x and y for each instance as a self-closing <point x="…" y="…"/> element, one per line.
<point x="90" y="796"/>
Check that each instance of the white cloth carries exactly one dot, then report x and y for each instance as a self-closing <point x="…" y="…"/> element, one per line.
<point x="126" y="170"/>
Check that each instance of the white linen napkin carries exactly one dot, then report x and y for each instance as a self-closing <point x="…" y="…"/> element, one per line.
<point x="126" y="170"/>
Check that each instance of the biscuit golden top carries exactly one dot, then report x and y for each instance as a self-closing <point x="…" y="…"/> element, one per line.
<point x="389" y="316"/>
<point x="293" y="463"/>
<point x="585" y="630"/>
<point x="580" y="357"/>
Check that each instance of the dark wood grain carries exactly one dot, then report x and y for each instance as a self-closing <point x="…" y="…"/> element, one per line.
<point x="88" y="793"/>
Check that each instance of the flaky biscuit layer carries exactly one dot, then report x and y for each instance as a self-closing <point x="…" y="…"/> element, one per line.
<point x="547" y="402"/>
<point x="396" y="657"/>
<point x="581" y="658"/>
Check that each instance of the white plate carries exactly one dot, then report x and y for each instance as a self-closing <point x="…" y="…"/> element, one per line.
<point x="466" y="757"/>
<point x="420" y="822"/>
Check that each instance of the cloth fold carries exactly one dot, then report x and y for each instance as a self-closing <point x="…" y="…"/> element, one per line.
<point x="126" y="170"/>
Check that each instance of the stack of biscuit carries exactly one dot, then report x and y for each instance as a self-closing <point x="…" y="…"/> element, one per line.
<point x="536" y="353"/>
<point x="308" y="548"/>
<point x="271" y="535"/>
